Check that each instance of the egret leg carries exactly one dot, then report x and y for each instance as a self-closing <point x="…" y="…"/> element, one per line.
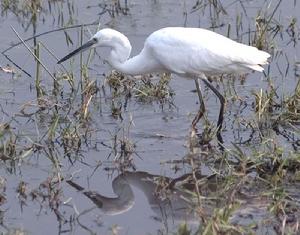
<point x="202" y="106"/>
<point x="221" y="113"/>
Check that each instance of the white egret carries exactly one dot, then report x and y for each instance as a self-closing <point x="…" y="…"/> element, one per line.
<point x="189" y="52"/>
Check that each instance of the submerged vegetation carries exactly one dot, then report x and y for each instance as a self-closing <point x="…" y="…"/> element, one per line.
<point x="79" y="122"/>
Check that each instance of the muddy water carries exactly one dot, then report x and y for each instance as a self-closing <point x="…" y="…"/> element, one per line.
<point x="159" y="134"/>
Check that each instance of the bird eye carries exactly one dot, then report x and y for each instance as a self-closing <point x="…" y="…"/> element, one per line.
<point x="95" y="40"/>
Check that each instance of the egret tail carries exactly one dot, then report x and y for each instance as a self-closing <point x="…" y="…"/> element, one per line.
<point x="257" y="58"/>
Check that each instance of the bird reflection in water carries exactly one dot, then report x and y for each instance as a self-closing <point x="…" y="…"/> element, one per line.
<point x="175" y="199"/>
<point x="168" y="198"/>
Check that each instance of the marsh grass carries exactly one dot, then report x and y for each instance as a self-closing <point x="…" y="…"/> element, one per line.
<point x="7" y="142"/>
<point x="22" y="9"/>
<point x="280" y="115"/>
<point x="292" y="105"/>
<point x="113" y="7"/>
<point x="147" y="91"/>
<point x="120" y="84"/>
<point x="16" y="231"/>
<point x="144" y="90"/>
<point x="122" y="150"/>
<point x="266" y="27"/>
<point x="29" y="12"/>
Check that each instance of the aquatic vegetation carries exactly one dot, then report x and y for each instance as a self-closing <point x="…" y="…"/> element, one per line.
<point x="147" y="91"/>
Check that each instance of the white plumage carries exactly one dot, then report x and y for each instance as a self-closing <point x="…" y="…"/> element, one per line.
<point x="193" y="50"/>
<point x="190" y="52"/>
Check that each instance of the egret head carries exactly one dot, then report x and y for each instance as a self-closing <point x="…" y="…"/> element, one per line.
<point x="105" y="38"/>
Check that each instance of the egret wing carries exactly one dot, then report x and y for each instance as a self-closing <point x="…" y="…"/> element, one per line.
<point x="194" y="51"/>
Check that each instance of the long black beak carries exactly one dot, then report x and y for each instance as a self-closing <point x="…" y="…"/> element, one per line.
<point x="84" y="47"/>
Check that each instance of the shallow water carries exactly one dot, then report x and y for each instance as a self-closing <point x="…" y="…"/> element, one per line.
<point x="159" y="134"/>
